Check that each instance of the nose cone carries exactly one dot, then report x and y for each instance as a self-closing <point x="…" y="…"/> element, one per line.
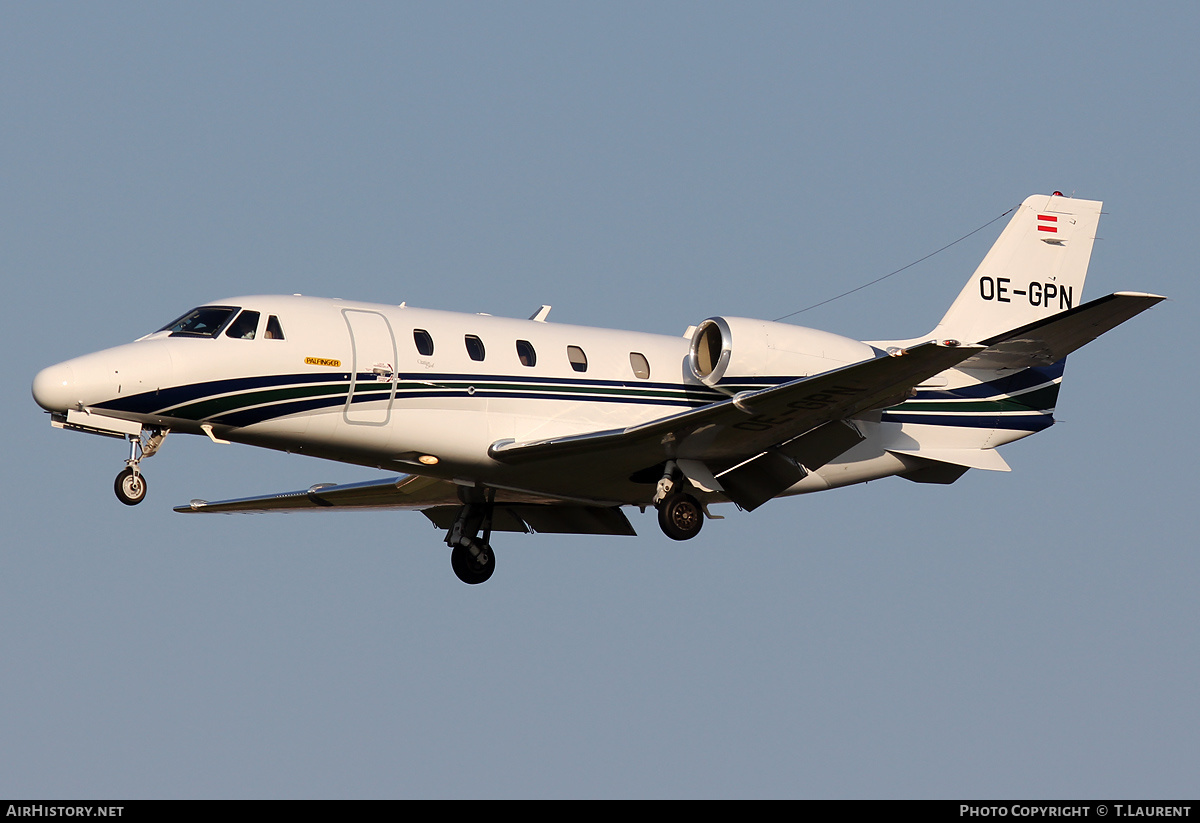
<point x="54" y="388"/>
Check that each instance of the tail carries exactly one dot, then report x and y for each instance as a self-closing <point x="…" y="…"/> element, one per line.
<point x="1024" y="304"/>
<point x="1035" y="269"/>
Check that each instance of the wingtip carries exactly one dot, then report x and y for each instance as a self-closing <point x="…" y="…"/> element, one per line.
<point x="194" y="506"/>
<point x="1142" y="294"/>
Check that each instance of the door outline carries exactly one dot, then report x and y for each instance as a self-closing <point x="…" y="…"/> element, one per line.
<point x="374" y="353"/>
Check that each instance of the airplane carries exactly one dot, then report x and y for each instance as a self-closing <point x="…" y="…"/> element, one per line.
<point x="511" y="425"/>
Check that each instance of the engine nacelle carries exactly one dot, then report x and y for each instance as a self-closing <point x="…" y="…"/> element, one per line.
<point x="740" y="347"/>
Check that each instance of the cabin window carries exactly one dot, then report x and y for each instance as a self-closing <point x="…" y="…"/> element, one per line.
<point x="641" y="366"/>
<point x="244" y="327"/>
<point x="205" y="321"/>
<point x="526" y="354"/>
<point x="274" y="330"/>
<point x="474" y="347"/>
<point x="424" y="342"/>
<point x="577" y="357"/>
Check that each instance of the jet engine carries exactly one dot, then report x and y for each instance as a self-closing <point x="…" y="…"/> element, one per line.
<point x="733" y="347"/>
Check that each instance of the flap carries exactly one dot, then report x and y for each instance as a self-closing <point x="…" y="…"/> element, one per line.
<point x="545" y="518"/>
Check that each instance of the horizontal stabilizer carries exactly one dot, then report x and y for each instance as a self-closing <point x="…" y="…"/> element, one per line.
<point x="1047" y="341"/>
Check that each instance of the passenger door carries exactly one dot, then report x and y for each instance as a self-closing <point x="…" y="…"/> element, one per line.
<point x="373" y="381"/>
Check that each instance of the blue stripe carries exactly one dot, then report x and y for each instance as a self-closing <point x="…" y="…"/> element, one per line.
<point x="160" y="401"/>
<point x="368" y="389"/>
<point x="1030" y="378"/>
<point x="248" y="417"/>
<point x="151" y="402"/>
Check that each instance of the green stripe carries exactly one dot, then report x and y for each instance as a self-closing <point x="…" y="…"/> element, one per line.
<point x="1042" y="399"/>
<point x="217" y="406"/>
<point x="236" y="402"/>
<point x="569" y="389"/>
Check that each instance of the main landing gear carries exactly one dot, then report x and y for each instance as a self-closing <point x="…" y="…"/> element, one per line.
<point x="471" y="557"/>
<point x="130" y="486"/>
<point x="680" y="515"/>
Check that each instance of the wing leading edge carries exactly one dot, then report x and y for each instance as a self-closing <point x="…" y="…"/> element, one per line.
<point x="404" y="492"/>
<point x="729" y="432"/>
<point x="439" y="501"/>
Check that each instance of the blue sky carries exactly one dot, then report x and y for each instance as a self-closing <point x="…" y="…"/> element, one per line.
<point x="638" y="166"/>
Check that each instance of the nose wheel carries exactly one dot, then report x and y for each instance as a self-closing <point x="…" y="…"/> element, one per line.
<point x="473" y="563"/>
<point x="130" y="487"/>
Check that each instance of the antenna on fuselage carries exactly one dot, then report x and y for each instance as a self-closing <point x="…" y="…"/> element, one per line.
<point x="539" y="316"/>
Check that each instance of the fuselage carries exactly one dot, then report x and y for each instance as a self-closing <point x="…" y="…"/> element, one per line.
<point x="428" y="392"/>
<point x="381" y="385"/>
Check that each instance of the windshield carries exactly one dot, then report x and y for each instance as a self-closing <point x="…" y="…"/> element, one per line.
<point x="205" y="321"/>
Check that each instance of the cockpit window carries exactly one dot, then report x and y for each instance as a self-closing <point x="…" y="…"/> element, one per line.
<point x="205" y="321"/>
<point x="245" y="326"/>
<point x="274" y="330"/>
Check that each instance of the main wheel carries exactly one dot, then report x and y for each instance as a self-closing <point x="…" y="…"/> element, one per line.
<point x="130" y="487"/>
<point x="680" y="516"/>
<point x="471" y="569"/>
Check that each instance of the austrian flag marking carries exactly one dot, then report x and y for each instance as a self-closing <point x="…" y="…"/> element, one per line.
<point x="1047" y="222"/>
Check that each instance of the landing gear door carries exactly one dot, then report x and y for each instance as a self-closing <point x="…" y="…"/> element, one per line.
<point x="373" y="381"/>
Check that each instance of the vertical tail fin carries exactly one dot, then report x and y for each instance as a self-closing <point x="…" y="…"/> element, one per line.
<point x="1035" y="269"/>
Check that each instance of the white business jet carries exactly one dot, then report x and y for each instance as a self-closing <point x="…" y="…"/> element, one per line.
<point x="524" y="425"/>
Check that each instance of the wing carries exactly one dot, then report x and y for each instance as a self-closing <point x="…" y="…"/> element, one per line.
<point x="752" y="443"/>
<point x="438" y="500"/>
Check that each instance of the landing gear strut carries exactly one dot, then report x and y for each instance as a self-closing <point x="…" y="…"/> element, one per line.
<point x="471" y="557"/>
<point x="680" y="515"/>
<point x="130" y="486"/>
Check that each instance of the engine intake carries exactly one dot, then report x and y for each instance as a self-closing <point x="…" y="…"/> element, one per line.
<point x="733" y="347"/>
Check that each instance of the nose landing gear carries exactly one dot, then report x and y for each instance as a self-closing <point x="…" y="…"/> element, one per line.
<point x="130" y="486"/>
